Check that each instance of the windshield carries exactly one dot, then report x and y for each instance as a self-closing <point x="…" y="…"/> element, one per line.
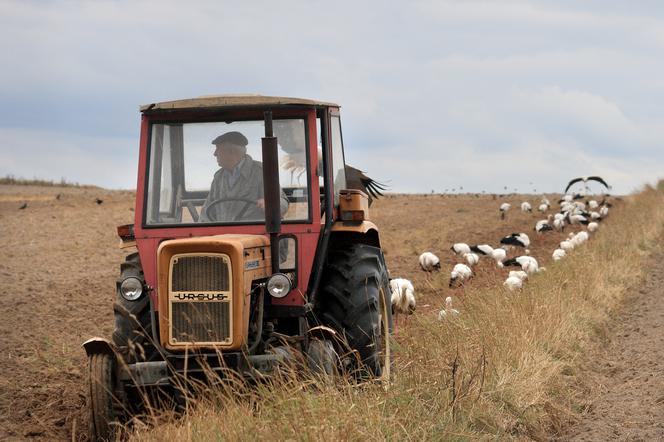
<point x="212" y="173"/>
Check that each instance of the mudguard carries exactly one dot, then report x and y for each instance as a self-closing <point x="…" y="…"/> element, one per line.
<point x="99" y="345"/>
<point x="323" y="332"/>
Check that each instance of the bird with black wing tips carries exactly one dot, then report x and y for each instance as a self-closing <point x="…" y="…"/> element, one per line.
<point x="543" y="225"/>
<point x="357" y="179"/>
<point x="516" y="239"/>
<point x="585" y="180"/>
<point x="528" y="264"/>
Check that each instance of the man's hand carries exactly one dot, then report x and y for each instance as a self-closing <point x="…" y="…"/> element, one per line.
<point x="260" y="203"/>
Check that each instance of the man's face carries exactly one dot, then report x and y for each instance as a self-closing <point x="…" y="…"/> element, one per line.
<point x="228" y="155"/>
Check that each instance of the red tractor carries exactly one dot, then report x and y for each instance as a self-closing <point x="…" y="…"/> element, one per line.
<point x="252" y="247"/>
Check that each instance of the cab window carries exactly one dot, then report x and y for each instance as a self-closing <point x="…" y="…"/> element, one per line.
<point x="187" y="183"/>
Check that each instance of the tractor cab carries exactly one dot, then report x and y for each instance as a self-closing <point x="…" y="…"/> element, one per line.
<point x="250" y="248"/>
<point x="179" y="163"/>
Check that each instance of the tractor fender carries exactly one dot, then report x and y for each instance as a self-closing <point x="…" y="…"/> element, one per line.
<point x="98" y="345"/>
<point x="323" y="332"/>
<point x="367" y="230"/>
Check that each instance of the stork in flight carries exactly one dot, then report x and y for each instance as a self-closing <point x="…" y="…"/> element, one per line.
<point x="585" y="180"/>
<point x="356" y="179"/>
<point x="295" y="163"/>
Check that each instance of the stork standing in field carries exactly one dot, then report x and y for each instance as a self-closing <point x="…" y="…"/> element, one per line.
<point x="580" y="238"/>
<point x="429" y="262"/>
<point x="559" y="222"/>
<point x="403" y="299"/>
<point x="526" y="207"/>
<point x="504" y="208"/>
<point x="448" y="312"/>
<point x="471" y="258"/>
<point x="460" y="273"/>
<point x="527" y="263"/>
<point x="516" y="239"/>
<point x="567" y="207"/>
<point x="566" y="245"/>
<point x="559" y="254"/>
<point x="498" y="254"/>
<point x="519" y="274"/>
<point x="543" y="225"/>
<point x="513" y="283"/>
<point x="515" y="280"/>
<point x="577" y="219"/>
<point x="460" y="248"/>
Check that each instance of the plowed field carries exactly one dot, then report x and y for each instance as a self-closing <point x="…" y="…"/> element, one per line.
<point x="61" y="258"/>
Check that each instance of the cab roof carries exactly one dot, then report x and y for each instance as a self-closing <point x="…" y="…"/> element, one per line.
<point x="232" y="100"/>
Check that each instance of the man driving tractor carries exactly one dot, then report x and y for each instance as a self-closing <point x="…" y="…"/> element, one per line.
<point x="236" y="193"/>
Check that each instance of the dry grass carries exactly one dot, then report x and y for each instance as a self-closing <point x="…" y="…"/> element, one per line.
<point x="511" y="366"/>
<point x="12" y="180"/>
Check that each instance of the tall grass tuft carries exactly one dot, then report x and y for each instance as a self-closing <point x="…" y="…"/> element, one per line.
<point x="510" y="366"/>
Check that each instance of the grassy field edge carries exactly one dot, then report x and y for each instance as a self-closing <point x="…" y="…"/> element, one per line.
<point x="512" y="366"/>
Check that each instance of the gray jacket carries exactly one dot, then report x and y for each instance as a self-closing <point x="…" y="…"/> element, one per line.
<point x="248" y="186"/>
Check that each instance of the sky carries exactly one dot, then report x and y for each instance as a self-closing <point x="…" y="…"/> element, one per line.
<point x="435" y="95"/>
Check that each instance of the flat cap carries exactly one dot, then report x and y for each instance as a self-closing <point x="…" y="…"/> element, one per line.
<point x="231" y="137"/>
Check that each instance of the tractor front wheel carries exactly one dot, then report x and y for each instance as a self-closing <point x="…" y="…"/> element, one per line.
<point x="354" y="300"/>
<point x="104" y="402"/>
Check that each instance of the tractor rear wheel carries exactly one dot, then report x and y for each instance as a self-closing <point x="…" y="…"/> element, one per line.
<point x="104" y="402"/>
<point x="354" y="300"/>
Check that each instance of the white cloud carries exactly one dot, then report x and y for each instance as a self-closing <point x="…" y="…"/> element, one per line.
<point x="454" y="88"/>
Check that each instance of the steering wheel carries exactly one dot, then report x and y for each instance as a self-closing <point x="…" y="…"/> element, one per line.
<point x="237" y="217"/>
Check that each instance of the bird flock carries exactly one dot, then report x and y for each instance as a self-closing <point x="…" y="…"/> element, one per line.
<point x="24" y="204"/>
<point x="580" y="212"/>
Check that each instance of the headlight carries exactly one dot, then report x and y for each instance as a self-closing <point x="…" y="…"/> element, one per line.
<point x="278" y="285"/>
<point x="131" y="288"/>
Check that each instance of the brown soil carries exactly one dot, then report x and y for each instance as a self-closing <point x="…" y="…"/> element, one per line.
<point x="630" y="406"/>
<point x="61" y="259"/>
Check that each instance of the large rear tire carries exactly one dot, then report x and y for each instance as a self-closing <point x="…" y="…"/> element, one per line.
<point x="104" y="401"/>
<point x="353" y="300"/>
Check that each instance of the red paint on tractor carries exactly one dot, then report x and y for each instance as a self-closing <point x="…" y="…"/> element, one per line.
<point x="307" y="234"/>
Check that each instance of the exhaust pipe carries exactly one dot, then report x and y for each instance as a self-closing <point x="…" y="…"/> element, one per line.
<point x="271" y="190"/>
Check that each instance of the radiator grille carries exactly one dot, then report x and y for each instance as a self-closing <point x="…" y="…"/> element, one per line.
<point x="200" y="273"/>
<point x="200" y="299"/>
<point x="200" y="321"/>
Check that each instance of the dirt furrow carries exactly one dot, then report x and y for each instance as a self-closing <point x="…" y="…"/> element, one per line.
<point x="630" y="372"/>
